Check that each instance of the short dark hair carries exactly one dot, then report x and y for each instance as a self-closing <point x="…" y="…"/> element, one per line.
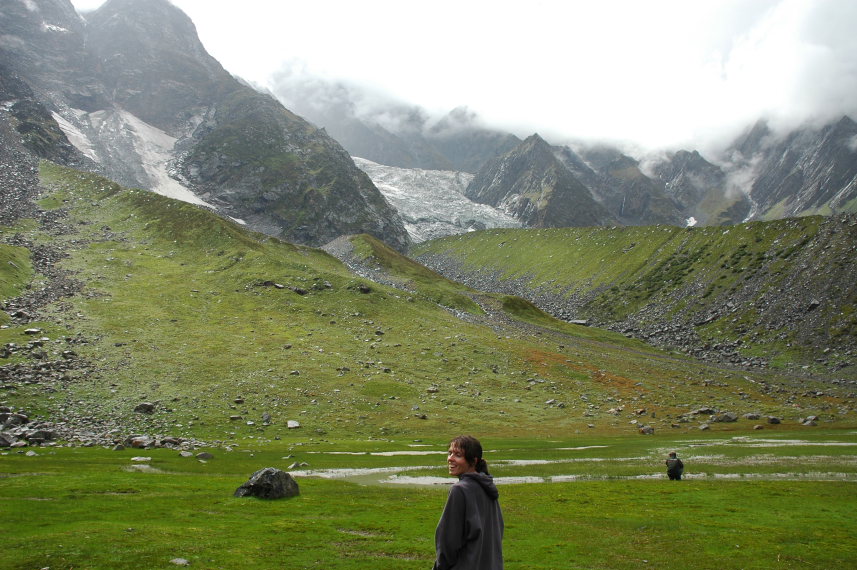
<point x="472" y="451"/>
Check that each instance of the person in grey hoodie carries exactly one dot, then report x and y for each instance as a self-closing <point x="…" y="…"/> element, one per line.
<point x="469" y="535"/>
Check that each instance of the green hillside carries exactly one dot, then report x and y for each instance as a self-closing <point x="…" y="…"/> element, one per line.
<point x="233" y="334"/>
<point x="783" y="292"/>
<point x="115" y="297"/>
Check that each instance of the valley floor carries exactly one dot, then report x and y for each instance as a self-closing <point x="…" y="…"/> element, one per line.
<point x="782" y="500"/>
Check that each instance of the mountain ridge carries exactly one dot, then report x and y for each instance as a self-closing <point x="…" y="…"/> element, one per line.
<point x="532" y="185"/>
<point x="760" y="293"/>
<point x="139" y="97"/>
<point x="637" y="190"/>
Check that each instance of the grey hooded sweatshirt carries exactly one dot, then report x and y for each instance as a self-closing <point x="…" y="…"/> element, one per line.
<point x="469" y="535"/>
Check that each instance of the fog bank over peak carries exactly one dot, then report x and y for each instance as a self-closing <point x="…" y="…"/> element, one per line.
<point x="665" y="75"/>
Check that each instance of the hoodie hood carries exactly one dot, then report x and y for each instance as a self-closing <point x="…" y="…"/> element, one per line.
<point x="485" y="481"/>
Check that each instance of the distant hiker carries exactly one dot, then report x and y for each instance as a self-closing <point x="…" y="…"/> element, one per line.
<point x="674" y="467"/>
<point x="469" y="535"/>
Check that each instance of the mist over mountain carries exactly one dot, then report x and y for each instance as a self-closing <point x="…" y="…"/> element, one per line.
<point x="732" y="184"/>
<point x="809" y="171"/>
<point x="373" y="126"/>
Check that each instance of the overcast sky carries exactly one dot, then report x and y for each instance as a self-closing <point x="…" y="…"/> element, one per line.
<point x="662" y="73"/>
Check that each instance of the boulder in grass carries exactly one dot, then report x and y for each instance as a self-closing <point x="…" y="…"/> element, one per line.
<point x="145" y="408"/>
<point x="725" y="417"/>
<point x="13" y="420"/>
<point x="269" y="483"/>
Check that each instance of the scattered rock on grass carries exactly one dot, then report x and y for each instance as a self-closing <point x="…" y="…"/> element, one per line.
<point x="269" y="483"/>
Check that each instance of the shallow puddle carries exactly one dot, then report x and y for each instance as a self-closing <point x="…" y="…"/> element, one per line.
<point x="401" y="476"/>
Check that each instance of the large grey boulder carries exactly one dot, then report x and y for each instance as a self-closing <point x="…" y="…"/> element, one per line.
<point x="269" y="483"/>
<point x="725" y="417"/>
<point x="145" y="408"/>
<point x="13" y="419"/>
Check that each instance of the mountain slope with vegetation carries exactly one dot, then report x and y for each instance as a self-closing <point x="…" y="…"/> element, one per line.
<point x="229" y="336"/>
<point x="780" y="293"/>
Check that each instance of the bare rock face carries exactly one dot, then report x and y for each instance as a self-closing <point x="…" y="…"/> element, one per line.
<point x="808" y="171"/>
<point x="530" y="184"/>
<point x="269" y="483"/>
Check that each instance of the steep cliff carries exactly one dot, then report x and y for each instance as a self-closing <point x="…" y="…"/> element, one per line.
<point x="531" y="185"/>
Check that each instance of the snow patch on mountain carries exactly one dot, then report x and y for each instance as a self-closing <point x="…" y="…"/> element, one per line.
<point x="432" y="203"/>
<point x="76" y="137"/>
<point x="54" y="28"/>
<point x="138" y="151"/>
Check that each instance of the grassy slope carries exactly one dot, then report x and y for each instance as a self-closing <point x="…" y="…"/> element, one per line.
<point x="664" y="273"/>
<point x="410" y="275"/>
<point x="15" y="273"/>
<point x="177" y="311"/>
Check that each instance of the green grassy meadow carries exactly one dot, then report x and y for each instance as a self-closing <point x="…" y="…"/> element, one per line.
<point x="231" y="335"/>
<point x="609" y="505"/>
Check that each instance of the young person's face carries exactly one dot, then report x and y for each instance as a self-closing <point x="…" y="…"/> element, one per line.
<point x="457" y="463"/>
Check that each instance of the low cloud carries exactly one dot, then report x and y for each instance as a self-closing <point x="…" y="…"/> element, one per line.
<point x="665" y="75"/>
<point x="321" y="99"/>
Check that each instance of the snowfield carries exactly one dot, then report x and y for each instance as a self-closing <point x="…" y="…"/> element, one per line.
<point x="432" y="203"/>
<point x="119" y="139"/>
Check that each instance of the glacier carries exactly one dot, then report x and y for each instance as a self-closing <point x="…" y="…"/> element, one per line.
<point x="432" y="203"/>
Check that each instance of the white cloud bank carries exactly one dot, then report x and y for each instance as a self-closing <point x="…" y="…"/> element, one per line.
<point x="657" y="74"/>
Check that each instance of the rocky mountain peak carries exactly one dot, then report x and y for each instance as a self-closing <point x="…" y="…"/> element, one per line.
<point x="699" y="188"/>
<point x="684" y="163"/>
<point x="534" y="153"/>
<point x="532" y="185"/>
<point x="154" y="26"/>
<point x="457" y="119"/>
<point x="535" y="140"/>
<point x="753" y="140"/>
<point x="41" y="38"/>
<point x="150" y="57"/>
<point x="846" y="128"/>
